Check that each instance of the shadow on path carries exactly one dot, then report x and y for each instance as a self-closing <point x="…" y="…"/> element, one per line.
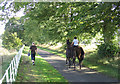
<point x="83" y="75"/>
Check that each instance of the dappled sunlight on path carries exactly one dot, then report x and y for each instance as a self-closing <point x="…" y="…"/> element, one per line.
<point x="83" y="75"/>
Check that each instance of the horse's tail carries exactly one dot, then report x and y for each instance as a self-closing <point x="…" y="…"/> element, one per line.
<point x="82" y="51"/>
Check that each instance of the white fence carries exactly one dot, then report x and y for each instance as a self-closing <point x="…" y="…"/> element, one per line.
<point x="11" y="71"/>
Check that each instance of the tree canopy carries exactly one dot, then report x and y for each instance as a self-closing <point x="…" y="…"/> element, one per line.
<point x="56" y="21"/>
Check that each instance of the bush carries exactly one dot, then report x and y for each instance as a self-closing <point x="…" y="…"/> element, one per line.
<point x="107" y="50"/>
<point x="11" y="41"/>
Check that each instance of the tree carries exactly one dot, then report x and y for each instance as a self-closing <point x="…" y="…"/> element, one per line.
<point x="11" y="41"/>
<point x="15" y="25"/>
<point x="63" y="20"/>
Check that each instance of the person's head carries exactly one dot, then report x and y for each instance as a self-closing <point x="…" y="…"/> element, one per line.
<point x="33" y="43"/>
<point x="75" y="37"/>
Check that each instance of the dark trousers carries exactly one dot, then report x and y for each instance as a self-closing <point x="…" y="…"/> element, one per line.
<point x="33" y="56"/>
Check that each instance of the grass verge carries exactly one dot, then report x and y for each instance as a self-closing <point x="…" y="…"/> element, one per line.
<point x="105" y="69"/>
<point x="6" y="59"/>
<point x="41" y="72"/>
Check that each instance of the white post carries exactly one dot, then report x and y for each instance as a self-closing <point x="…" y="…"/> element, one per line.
<point x="7" y="77"/>
<point x="13" y="68"/>
<point x="17" y="61"/>
<point x="16" y="65"/>
<point x="10" y="73"/>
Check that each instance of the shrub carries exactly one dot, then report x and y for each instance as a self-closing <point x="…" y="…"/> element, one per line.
<point x="107" y="50"/>
<point x="11" y="41"/>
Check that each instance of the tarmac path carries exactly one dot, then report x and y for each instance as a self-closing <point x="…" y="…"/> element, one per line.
<point x="83" y="75"/>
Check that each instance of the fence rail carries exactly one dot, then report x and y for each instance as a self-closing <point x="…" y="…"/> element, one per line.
<point x="11" y="71"/>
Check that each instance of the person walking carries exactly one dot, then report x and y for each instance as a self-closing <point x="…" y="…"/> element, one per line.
<point x="33" y="50"/>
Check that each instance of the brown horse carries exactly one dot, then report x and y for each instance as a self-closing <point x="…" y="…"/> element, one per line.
<point x="79" y="53"/>
<point x="69" y="54"/>
<point x="72" y="53"/>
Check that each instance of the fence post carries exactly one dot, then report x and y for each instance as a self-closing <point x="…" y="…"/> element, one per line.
<point x="10" y="73"/>
<point x="13" y="71"/>
<point x="13" y="68"/>
<point x="7" y="77"/>
<point x="16" y="65"/>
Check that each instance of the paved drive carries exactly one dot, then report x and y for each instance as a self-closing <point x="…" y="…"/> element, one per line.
<point x="83" y="75"/>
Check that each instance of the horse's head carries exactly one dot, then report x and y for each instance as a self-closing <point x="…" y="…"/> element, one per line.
<point x="69" y="45"/>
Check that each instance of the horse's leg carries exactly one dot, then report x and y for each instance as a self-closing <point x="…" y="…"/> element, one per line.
<point x="69" y="59"/>
<point x="69" y="62"/>
<point x="74" y="58"/>
<point x="80" y="62"/>
<point x="66" y="56"/>
<point x="66" y="60"/>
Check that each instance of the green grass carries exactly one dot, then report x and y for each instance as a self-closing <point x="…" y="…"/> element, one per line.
<point x="41" y="72"/>
<point x="92" y="61"/>
<point x="6" y="59"/>
<point x="53" y="51"/>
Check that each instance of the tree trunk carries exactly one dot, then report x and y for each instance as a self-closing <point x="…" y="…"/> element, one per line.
<point x="119" y="39"/>
<point x="106" y="34"/>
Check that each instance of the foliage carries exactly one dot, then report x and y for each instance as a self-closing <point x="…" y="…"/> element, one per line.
<point x="107" y="50"/>
<point x="13" y="33"/>
<point x="53" y="22"/>
<point x="15" y="25"/>
<point x="11" y="41"/>
<point x="84" y="21"/>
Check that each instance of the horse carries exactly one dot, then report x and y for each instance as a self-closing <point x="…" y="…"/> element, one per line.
<point x="69" y="54"/>
<point x="72" y="53"/>
<point x="79" y="53"/>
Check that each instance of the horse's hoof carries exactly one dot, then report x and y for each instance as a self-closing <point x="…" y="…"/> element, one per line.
<point x="80" y="66"/>
<point x="66" y="64"/>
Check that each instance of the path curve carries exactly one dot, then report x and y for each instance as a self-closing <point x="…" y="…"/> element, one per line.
<point x="83" y="75"/>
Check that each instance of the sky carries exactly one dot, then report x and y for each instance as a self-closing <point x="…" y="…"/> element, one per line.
<point x="2" y="24"/>
<point x="1" y="28"/>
